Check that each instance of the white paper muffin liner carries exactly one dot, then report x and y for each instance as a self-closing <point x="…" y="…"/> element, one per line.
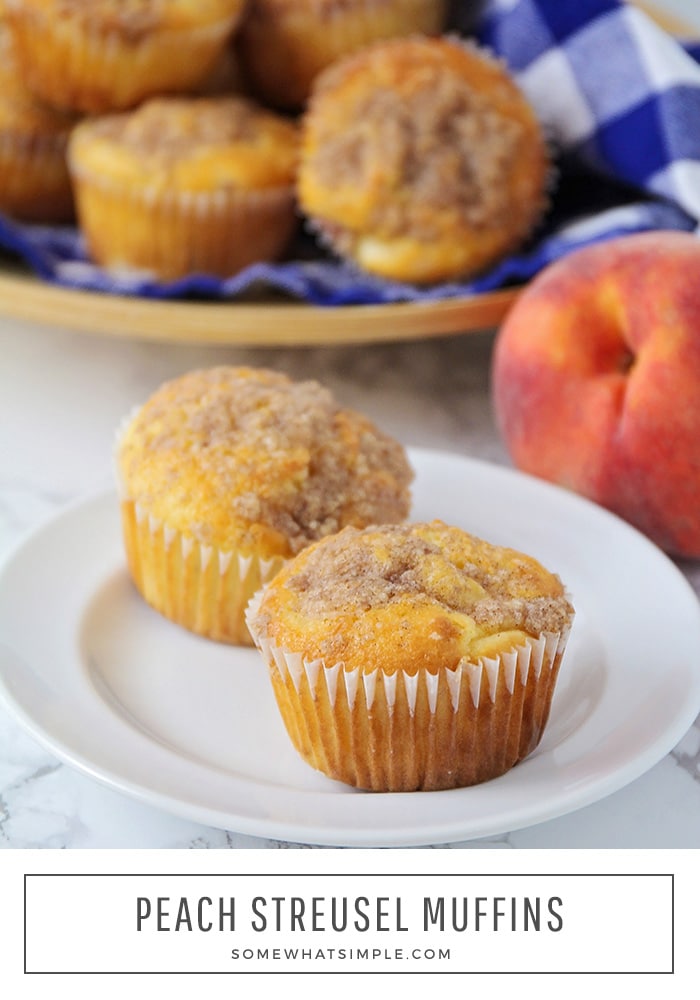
<point x="169" y="233"/>
<point x="203" y="588"/>
<point x="415" y="729"/>
<point x="81" y="65"/>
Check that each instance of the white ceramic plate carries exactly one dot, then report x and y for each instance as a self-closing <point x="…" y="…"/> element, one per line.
<point x="191" y="726"/>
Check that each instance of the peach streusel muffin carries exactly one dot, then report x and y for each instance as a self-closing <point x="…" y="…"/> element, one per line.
<point x="412" y="657"/>
<point x="34" y="182"/>
<point x="421" y="160"/>
<point x="105" y="55"/>
<point x="284" y="44"/>
<point x="228" y="472"/>
<point x="184" y="185"/>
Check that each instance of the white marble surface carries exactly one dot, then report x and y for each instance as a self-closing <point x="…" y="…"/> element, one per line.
<point x="61" y="396"/>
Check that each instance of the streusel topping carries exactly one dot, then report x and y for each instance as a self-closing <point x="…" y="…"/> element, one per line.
<point x="409" y="595"/>
<point x="424" y="127"/>
<point x="496" y="586"/>
<point x="135" y="19"/>
<point x="445" y="147"/>
<point x="173" y="145"/>
<point x="166" y="133"/>
<point x="226" y="454"/>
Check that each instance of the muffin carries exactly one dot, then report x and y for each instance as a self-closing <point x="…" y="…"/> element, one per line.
<point x="421" y="160"/>
<point x="412" y="656"/>
<point x="228" y="472"/>
<point x="185" y="185"/>
<point x="284" y="44"/>
<point x="34" y="182"/>
<point x="106" y="55"/>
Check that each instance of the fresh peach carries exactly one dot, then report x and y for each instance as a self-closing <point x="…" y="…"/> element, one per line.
<point x="596" y="381"/>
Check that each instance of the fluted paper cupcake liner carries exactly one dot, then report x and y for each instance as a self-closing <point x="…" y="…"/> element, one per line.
<point x="200" y="587"/>
<point x="415" y="729"/>
<point x="73" y="64"/>
<point x="203" y="588"/>
<point x="172" y="233"/>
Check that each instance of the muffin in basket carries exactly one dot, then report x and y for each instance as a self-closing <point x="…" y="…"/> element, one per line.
<point x="421" y="160"/>
<point x="105" y="55"/>
<point x="35" y="184"/>
<point x="284" y="44"/>
<point x="184" y="185"/>
<point x="412" y="657"/>
<point x="227" y="472"/>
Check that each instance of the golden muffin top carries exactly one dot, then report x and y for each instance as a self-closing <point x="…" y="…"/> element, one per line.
<point x="408" y="596"/>
<point x="244" y="458"/>
<point x="416" y="140"/>
<point x="133" y="18"/>
<point x="188" y="143"/>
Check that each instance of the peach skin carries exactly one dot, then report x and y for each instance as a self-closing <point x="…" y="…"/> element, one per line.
<point x="596" y="381"/>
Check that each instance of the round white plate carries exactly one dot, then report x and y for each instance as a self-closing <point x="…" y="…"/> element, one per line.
<point x="191" y="726"/>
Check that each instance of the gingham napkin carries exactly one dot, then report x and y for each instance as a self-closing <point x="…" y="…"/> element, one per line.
<point x="620" y="103"/>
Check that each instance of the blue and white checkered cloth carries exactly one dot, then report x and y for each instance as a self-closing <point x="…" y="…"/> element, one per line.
<point x="620" y="103"/>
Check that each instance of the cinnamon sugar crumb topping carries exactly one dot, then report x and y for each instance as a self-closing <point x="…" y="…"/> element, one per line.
<point x="498" y="588"/>
<point x="446" y="147"/>
<point x="171" y="127"/>
<point x="138" y="16"/>
<point x="134" y="20"/>
<point x="435" y="127"/>
<point x="250" y="447"/>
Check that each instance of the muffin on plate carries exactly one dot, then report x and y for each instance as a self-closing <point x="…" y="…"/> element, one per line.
<point x="412" y="657"/>
<point x="227" y="472"/>
<point x="421" y="160"/>
<point x="104" y="55"/>
<point x="284" y="44"/>
<point x="35" y="185"/>
<point x="184" y="185"/>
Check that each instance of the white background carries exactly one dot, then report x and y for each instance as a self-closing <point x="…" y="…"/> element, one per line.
<point x="632" y="927"/>
<point x="597" y="923"/>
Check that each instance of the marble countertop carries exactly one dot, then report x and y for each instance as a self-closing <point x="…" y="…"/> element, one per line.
<point x="61" y="396"/>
